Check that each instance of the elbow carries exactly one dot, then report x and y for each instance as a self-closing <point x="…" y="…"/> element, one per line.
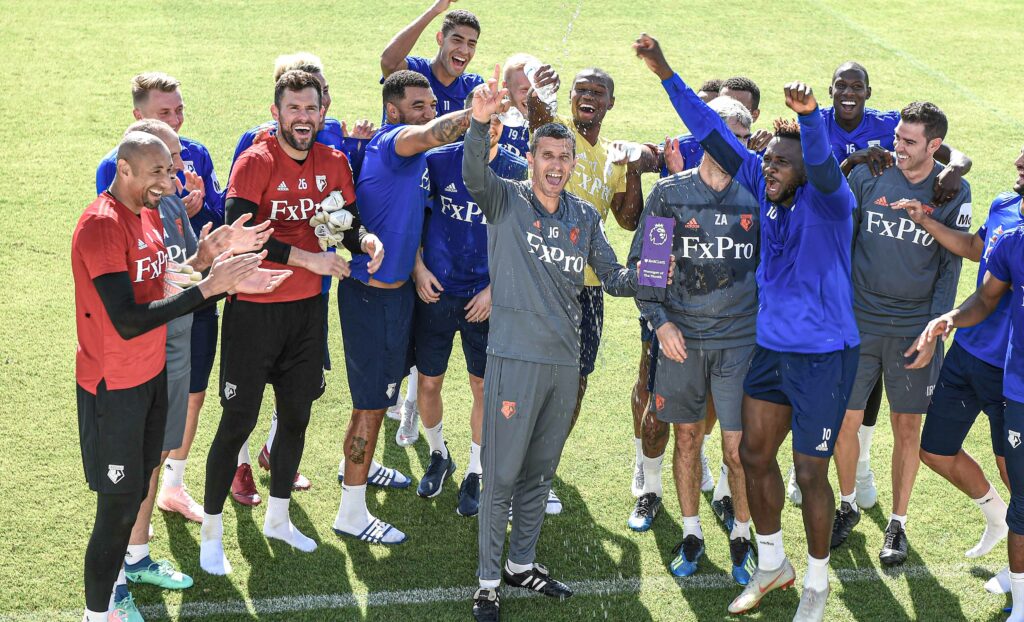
<point x="124" y="331"/>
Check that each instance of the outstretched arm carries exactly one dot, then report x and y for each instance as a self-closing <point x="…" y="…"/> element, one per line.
<point x="960" y="243"/>
<point x="486" y="188"/>
<point x="415" y="139"/>
<point x="392" y="58"/>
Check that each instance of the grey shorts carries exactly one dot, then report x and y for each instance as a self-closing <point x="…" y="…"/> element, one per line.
<point x="908" y="390"/>
<point x="681" y="389"/>
<point x="179" y="373"/>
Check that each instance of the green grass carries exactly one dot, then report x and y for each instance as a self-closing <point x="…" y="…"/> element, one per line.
<point x="65" y="102"/>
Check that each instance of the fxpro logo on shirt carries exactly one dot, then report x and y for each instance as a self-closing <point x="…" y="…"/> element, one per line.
<point x="904" y="229"/>
<point x="150" y="266"/>
<point x="553" y="254"/>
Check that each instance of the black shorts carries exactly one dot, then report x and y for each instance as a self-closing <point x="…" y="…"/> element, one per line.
<point x="280" y="343"/>
<point x="204" y="348"/>
<point x="434" y="328"/>
<point x="325" y="302"/>
<point x="591" y="325"/>
<point x="121" y="433"/>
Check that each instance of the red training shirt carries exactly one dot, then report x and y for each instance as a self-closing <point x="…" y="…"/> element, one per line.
<point x="110" y="238"/>
<point x="288" y="193"/>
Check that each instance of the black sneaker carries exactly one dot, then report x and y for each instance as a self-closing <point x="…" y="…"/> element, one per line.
<point x="846" y="519"/>
<point x="469" y="496"/>
<point x="644" y="512"/>
<point x="894" y="551"/>
<point x="485" y="605"/>
<point x="439" y="470"/>
<point x="741" y="551"/>
<point x="537" y="579"/>
<point x="724" y="511"/>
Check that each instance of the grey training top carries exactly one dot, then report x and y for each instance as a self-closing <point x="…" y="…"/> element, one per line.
<point x="713" y="295"/>
<point x="181" y="244"/>
<point x="902" y="277"/>
<point x="535" y="260"/>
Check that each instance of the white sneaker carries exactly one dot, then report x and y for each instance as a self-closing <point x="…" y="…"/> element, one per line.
<point x="395" y="412"/>
<point x="637" y="486"/>
<point x="707" y="482"/>
<point x="409" y="430"/>
<point x="793" y="489"/>
<point x="554" y="505"/>
<point x="999" y="584"/>
<point x="867" y="494"/>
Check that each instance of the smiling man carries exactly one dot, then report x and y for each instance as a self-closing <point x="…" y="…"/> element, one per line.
<point x="456" y="46"/>
<point x="540" y="238"/>
<point x="805" y="360"/>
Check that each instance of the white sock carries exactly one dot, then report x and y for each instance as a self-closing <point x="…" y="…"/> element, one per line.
<point x="243" y="454"/>
<point x="1017" y="591"/>
<point x="851" y="499"/>
<point x="770" y="554"/>
<point x="211" y="545"/>
<point x="435" y="438"/>
<point x="489" y="584"/>
<point x="352" y="517"/>
<point x="474" y="460"/>
<point x="994" y="509"/>
<point x="95" y="616"/>
<point x="277" y="524"/>
<point x="902" y="520"/>
<point x="817" y="574"/>
<point x="638" y="445"/>
<point x="691" y="527"/>
<point x="740" y="529"/>
<point x="121" y="578"/>
<point x="864" y="434"/>
<point x="174" y="473"/>
<point x="413" y="389"/>
<point x="136" y="553"/>
<point x="652" y="474"/>
<point x="273" y="431"/>
<point x="515" y="568"/>
<point x="722" y="487"/>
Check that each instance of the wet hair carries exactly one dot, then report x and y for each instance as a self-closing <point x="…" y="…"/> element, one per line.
<point x="601" y="76"/>
<point x="740" y="83"/>
<point x="155" y="127"/>
<point x="396" y="83"/>
<point x="848" y="65"/>
<point x="552" y="130"/>
<point x="517" y="61"/>
<point x="304" y="61"/>
<point x="459" y="17"/>
<point x="143" y="83"/>
<point x="296" y="80"/>
<point x="929" y="115"/>
<point x="135" y="145"/>
<point x="787" y="128"/>
<point x="730" y="108"/>
<point x="713" y="85"/>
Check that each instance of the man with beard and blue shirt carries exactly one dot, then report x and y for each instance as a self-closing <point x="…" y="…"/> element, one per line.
<point x="1003" y="279"/>
<point x="804" y="364"/>
<point x="158" y="96"/>
<point x="455" y="297"/>
<point x="971" y="380"/>
<point x="456" y="46"/>
<point x="376" y="308"/>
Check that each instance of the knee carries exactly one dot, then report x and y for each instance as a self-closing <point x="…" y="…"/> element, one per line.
<point x="731" y="457"/>
<point x="689" y="437"/>
<point x="906" y="427"/>
<point x="430" y="386"/>
<point x="811" y="476"/>
<point x="753" y="458"/>
<point x="294" y="418"/>
<point x="935" y="462"/>
<point x="236" y="424"/>
<point x="654" y="431"/>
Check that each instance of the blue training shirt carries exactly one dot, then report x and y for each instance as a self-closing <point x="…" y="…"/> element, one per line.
<point x="1006" y="263"/>
<point x="449" y="98"/>
<point x="876" y="128"/>
<point x="805" y="292"/>
<point x="988" y="340"/>
<point x="455" y="244"/>
<point x="392" y="195"/>
<point x="516" y="140"/>
<point x="197" y="160"/>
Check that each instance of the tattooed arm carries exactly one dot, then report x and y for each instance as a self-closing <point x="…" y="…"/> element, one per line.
<point x="415" y="139"/>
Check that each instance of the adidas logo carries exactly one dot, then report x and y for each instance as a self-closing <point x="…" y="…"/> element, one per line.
<point x="823" y="446"/>
<point x="881" y="201"/>
<point x="282" y="187"/>
<point x="692" y="224"/>
<point x="450" y="187"/>
<point x="142" y="245"/>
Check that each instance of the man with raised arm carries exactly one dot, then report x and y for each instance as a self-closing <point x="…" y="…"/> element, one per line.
<point x="539" y="239"/>
<point x="805" y="360"/>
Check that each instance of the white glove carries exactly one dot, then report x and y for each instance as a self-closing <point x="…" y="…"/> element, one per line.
<point x="333" y="202"/>
<point x="319" y="218"/>
<point x="340" y="220"/>
<point x="181" y="275"/>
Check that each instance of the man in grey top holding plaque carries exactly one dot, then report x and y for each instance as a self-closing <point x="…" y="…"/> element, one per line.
<point x="705" y="322"/>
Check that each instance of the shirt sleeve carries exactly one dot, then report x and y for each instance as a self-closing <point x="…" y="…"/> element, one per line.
<point x="834" y="200"/>
<point x="488" y="190"/>
<point x="1003" y="254"/>
<point x="105" y="174"/>
<point x="249" y="178"/>
<point x="653" y="312"/>
<point x="101" y="244"/>
<point x="213" y="201"/>
<point x="616" y="279"/>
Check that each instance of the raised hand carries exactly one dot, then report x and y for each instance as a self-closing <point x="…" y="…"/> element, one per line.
<point x="363" y="130"/>
<point x="546" y="76"/>
<point x="228" y="271"/>
<point x="487" y="98"/>
<point x="759" y="140"/>
<point x="262" y="281"/>
<point x="914" y="209"/>
<point x="800" y="98"/>
<point x="647" y="48"/>
<point x="673" y="157"/>
<point x="196" y="189"/>
<point x="947" y="185"/>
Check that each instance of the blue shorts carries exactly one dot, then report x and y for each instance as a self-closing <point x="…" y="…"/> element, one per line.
<point x="591" y="325"/>
<point x="816" y="386"/>
<point x="434" y="328"/>
<point x="1013" y="429"/>
<point x="204" y="348"/>
<point x="375" y="327"/>
<point x="967" y="386"/>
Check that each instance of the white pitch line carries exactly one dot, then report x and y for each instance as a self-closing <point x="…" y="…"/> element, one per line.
<point x="601" y="587"/>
